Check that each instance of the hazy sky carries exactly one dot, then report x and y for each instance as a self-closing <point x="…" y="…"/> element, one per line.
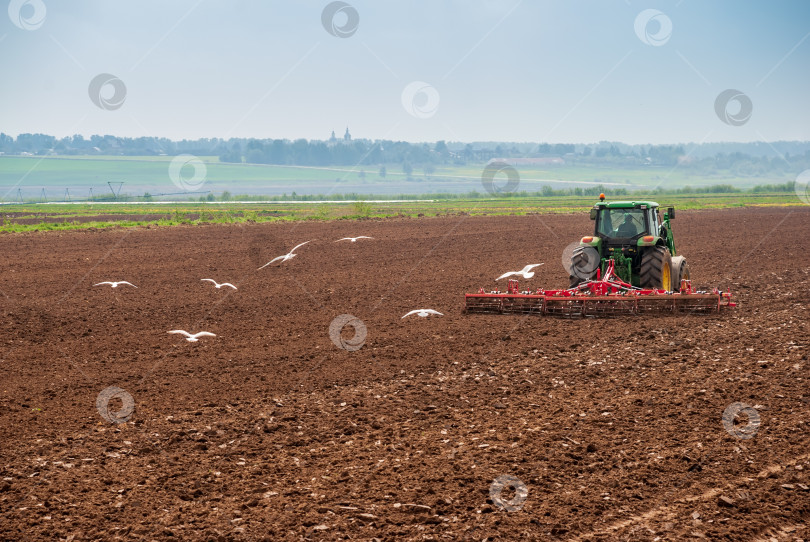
<point x="417" y="70"/>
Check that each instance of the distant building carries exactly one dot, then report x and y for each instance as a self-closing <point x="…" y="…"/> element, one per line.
<point x="333" y="140"/>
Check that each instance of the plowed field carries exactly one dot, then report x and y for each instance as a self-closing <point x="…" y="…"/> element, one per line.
<point x="611" y="428"/>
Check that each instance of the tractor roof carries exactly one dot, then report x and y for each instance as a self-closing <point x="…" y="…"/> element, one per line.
<point x="625" y="204"/>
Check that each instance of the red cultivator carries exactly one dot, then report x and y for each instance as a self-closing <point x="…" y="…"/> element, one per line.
<point x="603" y="297"/>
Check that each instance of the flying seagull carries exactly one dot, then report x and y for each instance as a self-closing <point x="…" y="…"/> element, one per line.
<point x="115" y="284"/>
<point x="423" y="313"/>
<point x="218" y="285"/>
<point x="526" y="272"/>
<point x="290" y="255"/>
<point x="353" y="239"/>
<point x="193" y="338"/>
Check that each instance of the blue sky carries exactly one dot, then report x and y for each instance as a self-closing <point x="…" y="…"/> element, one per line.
<point x="572" y="72"/>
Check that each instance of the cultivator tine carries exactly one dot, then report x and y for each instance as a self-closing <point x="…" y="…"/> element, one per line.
<point x="681" y="304"/>
<point x="484" y="304"/>
<point x="564" y="307"/>
<point x="657" y="305"/>
<point x="504" y="303"/>
<point x="698" y="303"/>
<point x="523" y="304"/>
<point x="606" y="306"/>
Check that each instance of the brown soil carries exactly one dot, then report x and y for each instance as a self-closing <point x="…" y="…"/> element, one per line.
<point x="270" y="431"/>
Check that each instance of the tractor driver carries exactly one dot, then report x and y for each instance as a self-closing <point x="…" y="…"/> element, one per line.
<point x="627" y="228"/>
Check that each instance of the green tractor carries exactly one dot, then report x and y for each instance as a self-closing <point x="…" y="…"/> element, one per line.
<point x="638" y="239"/>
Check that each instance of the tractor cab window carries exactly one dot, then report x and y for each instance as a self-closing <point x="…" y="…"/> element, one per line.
<point x="655" y="221"/>
<point x="622" y="223"/>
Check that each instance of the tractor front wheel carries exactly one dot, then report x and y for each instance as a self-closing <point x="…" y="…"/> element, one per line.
<point x="656" y="269"/>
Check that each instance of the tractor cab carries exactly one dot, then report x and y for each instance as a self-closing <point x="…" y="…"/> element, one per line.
<point x="623" y="223"/>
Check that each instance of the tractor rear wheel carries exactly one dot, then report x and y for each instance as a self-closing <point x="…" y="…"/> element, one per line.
<point x="680" y="271"/>
<point x="656" y="269"/>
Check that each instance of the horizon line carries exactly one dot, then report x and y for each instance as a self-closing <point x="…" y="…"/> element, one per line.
<point x="446" y="141"/>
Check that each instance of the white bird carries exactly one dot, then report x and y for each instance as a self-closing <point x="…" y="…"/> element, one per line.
<point x="526" y="272"/>
<point x="423" y="313"/>
<point x="354" y="239"/>
<point x="115" y="284"/>
<point x="218" y="285"/>
<point x="290" y="255"/>
<point x="193" y="338"/>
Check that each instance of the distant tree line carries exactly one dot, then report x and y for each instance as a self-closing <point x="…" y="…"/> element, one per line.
<point x="545" y="191"/>
<point x="738" y="159"/>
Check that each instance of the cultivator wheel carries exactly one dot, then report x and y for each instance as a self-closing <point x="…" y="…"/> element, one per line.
<point x="680" y="270"/>
<point x="602" y="298"/>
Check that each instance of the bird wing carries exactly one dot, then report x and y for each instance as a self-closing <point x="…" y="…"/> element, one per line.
<point x="509" y="274"/>
<point x="229" y="284"/>
<point x="277" y="258"/>
<point x="344" y="239"/>
<point x="181" y="332"/>
<point x="203" y="334"/>
<point x="530" y="267"/>
<point x="431" y="311"/>
<point x="365" y="237"/>
<point x="410" y="313"/>
<point x="101" y="283"/>
<point x="125" y="282"/>
<point x="302" y="244"/>
<point x="210" y="280"/>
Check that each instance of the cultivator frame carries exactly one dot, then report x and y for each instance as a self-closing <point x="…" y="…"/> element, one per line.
<point x="605" y="297"/>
